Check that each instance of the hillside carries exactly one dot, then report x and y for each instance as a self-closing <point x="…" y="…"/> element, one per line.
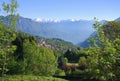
<point x="55" y="44"/>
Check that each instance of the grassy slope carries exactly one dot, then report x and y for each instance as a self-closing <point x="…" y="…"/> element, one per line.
<point x="30" y="78"/>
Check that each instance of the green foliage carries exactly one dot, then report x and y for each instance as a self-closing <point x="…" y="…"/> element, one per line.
<point x="65" y="60"/>
<point x="6" y="48"/>
<point x="82" y="61"/>
<point x="60" y="72"/>
<point x="35" y="60"/>
<point x="74" y="55"/>
<point x="111" y="30"/>
<point x="20" y="39"/>
<point x="29" y="55"/>
<point x="7" y="36"/>
<point x="103" y="56"/>
<point x="47" y="61"/>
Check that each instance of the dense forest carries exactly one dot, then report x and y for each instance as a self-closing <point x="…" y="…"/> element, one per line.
<point x="24" y="57"/>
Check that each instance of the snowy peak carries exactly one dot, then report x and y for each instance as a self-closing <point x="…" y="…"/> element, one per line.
<point x="55" y="20"/>
<point x="47" y="20"/>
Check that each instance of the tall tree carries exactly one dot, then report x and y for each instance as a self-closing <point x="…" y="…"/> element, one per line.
<point x="7" y="35"/>
<point x="11" y="14"/>
<point x="48" y="61"/>
<point x="103" y="55"/>
<point x="111" y="30"/>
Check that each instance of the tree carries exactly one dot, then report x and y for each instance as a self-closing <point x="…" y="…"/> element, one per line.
<point x="10" y="10"/>
<point x="74" y="55"/>
<point x="47" y="61"/>
<point x="82" y="63"/>
<point x="65" y="60"/>
<point x="38" y="60"/>
<point x="102" y="54"/>
<point x="111" y="30"/>
<point x="29" y="55"/>
<point x="7" y="35"/>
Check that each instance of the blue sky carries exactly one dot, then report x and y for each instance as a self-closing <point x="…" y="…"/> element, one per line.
<point x="69" y="9"/>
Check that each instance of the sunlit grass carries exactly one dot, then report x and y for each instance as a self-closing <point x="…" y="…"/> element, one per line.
<point x="75" y="64"/>
<point x="30" y="78"/>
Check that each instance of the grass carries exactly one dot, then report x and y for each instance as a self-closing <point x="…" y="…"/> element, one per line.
<point x="76" y="64"/>
<point x="30" y="78"/>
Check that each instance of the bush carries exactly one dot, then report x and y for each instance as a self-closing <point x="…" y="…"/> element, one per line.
<point x="59" y="72"/>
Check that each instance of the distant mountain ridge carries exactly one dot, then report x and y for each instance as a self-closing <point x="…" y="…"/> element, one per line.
<point x="68" y="30"/>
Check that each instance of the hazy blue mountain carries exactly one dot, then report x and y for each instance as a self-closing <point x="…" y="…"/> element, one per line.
<point x="118" y="19"/>
<point x="69" y="30"/>
<point x="86" y="43"/>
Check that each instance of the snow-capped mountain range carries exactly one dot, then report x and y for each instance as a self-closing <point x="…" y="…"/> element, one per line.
<point x="54" y="20"/>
